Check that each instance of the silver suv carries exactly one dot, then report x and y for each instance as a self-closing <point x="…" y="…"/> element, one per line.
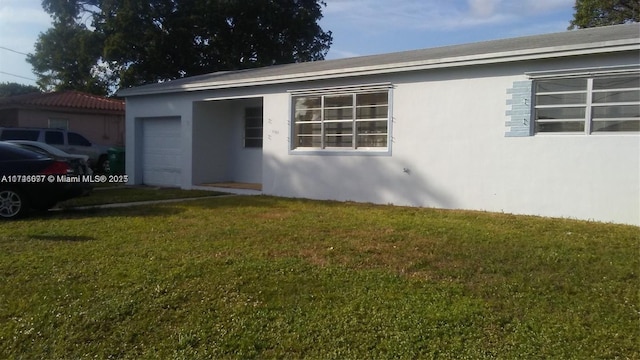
<point x="68" y="141"/>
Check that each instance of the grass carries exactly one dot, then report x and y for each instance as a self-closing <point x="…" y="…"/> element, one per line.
<point x="263" y="277"/>
<point x="124" y="194"/>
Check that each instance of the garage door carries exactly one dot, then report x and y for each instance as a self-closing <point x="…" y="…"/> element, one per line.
<point x="161" y="152"/>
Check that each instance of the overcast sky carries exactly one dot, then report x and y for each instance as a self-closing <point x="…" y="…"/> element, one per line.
<point x="360" y="27"/>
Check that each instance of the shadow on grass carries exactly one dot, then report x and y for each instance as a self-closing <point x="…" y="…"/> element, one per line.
<point x="174" y="208"/>
<point x="131" y="211"/>
<point x="259" y="201"/>
<point x="68" y="238"/>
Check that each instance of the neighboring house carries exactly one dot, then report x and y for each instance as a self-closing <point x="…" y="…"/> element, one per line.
<point x="99" y="119"/>
<point x="544" y="125"/>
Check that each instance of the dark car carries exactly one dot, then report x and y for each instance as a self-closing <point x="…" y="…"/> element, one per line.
<point x="78" y="163"/>
<point x="31" y="180"/>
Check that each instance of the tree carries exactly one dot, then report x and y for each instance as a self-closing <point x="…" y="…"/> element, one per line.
<point x="12" y="88"/>
<point x="65" y="57"/>
<point x="122" y="43"/>
<point x="594" y="13"/>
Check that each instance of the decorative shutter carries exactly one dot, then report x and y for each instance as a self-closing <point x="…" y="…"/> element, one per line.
<point x="519" y="110"/>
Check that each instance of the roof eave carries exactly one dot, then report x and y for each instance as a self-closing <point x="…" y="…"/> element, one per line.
<point x="429" y="64"/>
<point x="62" y="109"/>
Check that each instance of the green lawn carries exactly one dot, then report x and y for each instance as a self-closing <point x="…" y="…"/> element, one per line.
<point x="263" y="277"/>
<point x="124" y="194"/>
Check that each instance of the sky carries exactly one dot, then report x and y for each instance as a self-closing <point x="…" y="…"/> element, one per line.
<point x="359" y="27"/>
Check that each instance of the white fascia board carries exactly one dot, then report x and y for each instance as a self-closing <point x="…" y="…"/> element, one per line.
<point x="429" y="64"/>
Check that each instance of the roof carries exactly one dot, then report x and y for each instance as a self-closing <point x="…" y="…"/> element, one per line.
<point x="67" y="100"/>
<point x="568" y="43"/>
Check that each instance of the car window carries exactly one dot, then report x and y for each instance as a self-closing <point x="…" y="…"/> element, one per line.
<point x="54" y="137"/>
<point x="33" y="148"/>
<point x="19" y="135"/>
<point x="77" y="139"/>
<point x="10" y="152"/>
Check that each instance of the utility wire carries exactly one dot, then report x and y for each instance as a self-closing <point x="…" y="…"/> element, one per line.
<point x="10" y="74"/>
<point x="18" y="76"/>
<point x="14" y="51"/>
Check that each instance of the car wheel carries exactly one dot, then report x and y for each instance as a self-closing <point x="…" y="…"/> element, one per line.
<point x="12" y="203"/>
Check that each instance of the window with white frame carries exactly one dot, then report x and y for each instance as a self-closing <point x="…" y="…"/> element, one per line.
<point x="346" y="119"/>
<point x="588" y="104"/>
<point x="253" y="127"/>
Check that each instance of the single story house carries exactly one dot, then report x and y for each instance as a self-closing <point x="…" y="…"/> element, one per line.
<point x="544" y="125"/>
<point x="99" y="119"/>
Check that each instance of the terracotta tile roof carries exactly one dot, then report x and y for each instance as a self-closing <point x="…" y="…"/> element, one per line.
<point x="64" y="99"/>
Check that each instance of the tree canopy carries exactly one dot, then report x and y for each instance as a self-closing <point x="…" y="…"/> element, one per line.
<point x="594" y="13"/>
<point x="11" y="88"/>
<point x="99" y="45"/>
<point x="65" y="57"/>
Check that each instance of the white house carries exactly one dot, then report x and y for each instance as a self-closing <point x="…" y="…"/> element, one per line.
<point x="544" y="125"/>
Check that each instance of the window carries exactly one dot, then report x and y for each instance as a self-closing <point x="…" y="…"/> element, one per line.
<point x="77" y="139"/>
<point x="253" y="127"/>
<point x="19" y="153"/>
<point x="59" y="124"/>
<point x="31" y="135"/>
<point x="588" y="105"/>
<point x="34" y="149"/>
<point x="352" y="120"/>
<point x="54" y="137"/>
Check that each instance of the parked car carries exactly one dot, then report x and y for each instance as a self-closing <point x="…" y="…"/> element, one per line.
<point x="79" y="163"/>
<point x="67" y="141"/>
<point x="32" y="180"/>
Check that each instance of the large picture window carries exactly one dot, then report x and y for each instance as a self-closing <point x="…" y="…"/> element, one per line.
<point x="341" y="120"/>
<point x="588" y="105"/>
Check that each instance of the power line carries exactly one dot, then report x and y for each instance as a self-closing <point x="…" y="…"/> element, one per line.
<point x="18" y="76"/>
<point x="14" y="51"/>
<point x="14" y="75"/>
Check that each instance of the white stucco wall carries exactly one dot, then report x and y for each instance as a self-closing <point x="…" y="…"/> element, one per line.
<point x="210" y="136"/>
<point x="449" y="148"/>
<point x="219" y="154"/>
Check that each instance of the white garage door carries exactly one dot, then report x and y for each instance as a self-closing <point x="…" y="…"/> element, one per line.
<point x="161" y="152"/>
